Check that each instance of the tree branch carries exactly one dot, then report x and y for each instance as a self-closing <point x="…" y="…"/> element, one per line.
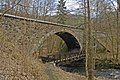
<point x="10" y="8"/>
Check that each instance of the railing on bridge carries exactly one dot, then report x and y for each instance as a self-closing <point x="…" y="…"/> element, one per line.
<point x="70" y="56"/>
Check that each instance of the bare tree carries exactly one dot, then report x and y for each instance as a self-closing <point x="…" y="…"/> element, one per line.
<point x="118" y="1"/>
<point x="90" y="56"/>
<point x="84" y="38"/>
<point x="117" y="40"/>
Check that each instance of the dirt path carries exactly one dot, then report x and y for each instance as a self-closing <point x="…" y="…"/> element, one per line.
<point x="49" y="70"/>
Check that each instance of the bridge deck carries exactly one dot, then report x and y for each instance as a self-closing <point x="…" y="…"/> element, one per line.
<point x="39" y="21"/>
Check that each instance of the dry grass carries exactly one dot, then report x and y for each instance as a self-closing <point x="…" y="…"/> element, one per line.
<point x="66" y="75"/>
<point x="14" y="65"/>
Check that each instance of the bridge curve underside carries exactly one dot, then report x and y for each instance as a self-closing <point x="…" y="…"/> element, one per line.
<point x="70" y="40"/>
<point x="74" y="48"/>
<point x="69" y="36"/>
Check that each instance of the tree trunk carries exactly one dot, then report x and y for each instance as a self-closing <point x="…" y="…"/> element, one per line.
<point x="118" y="1"/>
<point x="84" y="39"/>
<point x="117" y="40"/>
<point x="90" y="55"/>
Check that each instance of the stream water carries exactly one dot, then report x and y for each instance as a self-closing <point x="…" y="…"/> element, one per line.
<point x="108" y="73"/>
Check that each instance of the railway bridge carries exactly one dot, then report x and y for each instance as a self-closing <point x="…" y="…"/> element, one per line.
<point x="28" y="35"/>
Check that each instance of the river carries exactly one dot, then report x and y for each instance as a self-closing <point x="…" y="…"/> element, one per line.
<point x="107" y="73"/>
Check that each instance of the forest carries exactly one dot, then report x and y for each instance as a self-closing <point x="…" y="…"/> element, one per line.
<point x="59" y="40"/>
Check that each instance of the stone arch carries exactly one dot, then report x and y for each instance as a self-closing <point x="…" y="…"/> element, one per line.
<point x="69" y="37"/>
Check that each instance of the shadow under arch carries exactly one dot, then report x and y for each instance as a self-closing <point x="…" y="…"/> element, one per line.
<point x="68" y="37"/>
<point x="71" y="42"/>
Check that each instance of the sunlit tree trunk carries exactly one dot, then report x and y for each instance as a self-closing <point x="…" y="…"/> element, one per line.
<point x="117" y="40"/>
<point x="84" y="39"/>
<point x="90" y="60"/>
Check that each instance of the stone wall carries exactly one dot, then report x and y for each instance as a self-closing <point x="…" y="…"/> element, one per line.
<point x="27" y="35"/>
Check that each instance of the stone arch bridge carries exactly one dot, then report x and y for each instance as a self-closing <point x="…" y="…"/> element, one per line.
<point x="29" y="34"/>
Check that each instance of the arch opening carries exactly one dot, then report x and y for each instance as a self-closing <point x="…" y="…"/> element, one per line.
<point x="71" y="42"/>
<point x="57" y="43"/>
